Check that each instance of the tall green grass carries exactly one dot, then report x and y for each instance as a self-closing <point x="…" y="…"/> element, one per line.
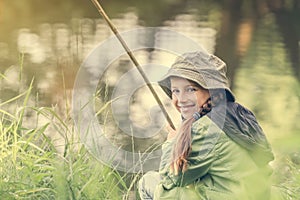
<point x="286" y="174"/>
<point x="31" y="167"/>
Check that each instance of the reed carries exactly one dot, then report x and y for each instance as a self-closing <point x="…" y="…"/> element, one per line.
<point x="32" y="167"/>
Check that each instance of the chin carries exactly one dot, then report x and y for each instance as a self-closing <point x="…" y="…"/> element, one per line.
<point x="187" y="115"/>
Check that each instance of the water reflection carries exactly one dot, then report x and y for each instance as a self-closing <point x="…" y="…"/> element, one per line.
<point x="244" y="36"/>
<point x="54" y="45"/>
<point x="193" y="27"/>
<point x="267" y="73"/>
<point x="30" y="43"/>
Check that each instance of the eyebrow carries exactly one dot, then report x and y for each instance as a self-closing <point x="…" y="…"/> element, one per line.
<point x="193" y="85"/>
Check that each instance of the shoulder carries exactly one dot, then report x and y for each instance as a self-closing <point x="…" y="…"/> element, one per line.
<point x="205" y="126"/>
<point x="206" y="136"/>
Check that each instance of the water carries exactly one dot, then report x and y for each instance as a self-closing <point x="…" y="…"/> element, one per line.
<point x="50" y="40"/>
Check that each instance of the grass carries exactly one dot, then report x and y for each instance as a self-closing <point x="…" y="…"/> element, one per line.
<point x="286" y="174"/>
<point x="32" y="167"/>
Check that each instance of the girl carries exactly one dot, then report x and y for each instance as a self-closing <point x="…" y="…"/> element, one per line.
<point x="220" y="151"/>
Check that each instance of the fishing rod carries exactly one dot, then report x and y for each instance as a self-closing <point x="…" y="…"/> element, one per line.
<point x="133" y="59"/>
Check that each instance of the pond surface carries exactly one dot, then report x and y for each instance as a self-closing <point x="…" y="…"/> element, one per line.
<point x="259" y="41"/>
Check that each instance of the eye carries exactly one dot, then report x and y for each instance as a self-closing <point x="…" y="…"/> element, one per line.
<point x="175" y="91"/>
<point x="191" y="89"/>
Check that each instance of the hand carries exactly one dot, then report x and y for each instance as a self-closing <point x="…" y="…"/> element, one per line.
<point x="171" y="132"/>
<point x="180" y="165"/>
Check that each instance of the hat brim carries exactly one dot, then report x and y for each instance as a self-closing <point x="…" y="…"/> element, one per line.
<point x="194" y="76"/>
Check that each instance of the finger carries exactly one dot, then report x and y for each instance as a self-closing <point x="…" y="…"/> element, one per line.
<point x="172" y="168"/>
<point x="171" y="132"/>
<point x="176" y="169"/>
<point x="170" y="129"/>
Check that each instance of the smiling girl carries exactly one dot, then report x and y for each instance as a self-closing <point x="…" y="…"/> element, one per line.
<point x="219" y="151"/>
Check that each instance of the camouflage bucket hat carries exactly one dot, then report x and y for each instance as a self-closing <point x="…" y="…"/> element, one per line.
<point x="205" y="69"/>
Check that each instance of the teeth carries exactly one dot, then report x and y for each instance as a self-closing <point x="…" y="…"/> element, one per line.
<point x="186" y="106"/>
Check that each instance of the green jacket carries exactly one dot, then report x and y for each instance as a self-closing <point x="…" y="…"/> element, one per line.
<point x="218" y="169"/>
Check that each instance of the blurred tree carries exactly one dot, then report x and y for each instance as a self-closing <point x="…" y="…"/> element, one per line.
<point x="226" y="41"/>
<point x="234" y="15"/>
<point x="287" y="19"/>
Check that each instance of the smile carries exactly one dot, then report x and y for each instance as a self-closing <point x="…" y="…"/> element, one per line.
<point x="185" y="107"/>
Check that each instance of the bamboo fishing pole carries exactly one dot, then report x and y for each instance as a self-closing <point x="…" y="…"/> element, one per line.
<point x="133" y="59"/>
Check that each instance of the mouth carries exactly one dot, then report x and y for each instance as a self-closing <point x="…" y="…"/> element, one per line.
<point x="186" y="108"/>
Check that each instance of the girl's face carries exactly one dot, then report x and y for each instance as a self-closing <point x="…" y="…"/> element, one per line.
<point x="187" y="97"/>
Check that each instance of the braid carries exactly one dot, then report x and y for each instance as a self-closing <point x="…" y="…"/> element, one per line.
<point x="182" y="146"/>
<point x="214" y="100"/>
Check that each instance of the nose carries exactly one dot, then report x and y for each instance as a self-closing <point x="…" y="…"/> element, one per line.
<point x="181" y="97"/>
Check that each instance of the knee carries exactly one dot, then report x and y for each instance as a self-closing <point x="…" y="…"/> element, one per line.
<point x="147" y="184"/>
<point x="150" y="178"/>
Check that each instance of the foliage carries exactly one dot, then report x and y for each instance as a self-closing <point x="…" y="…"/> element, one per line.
<point x="32" y="168"/>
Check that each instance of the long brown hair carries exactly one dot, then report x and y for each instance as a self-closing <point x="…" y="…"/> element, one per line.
<point x="183" y="142"/>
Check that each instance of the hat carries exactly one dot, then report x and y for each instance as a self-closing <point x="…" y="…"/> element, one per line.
<point x="205" y="69"/>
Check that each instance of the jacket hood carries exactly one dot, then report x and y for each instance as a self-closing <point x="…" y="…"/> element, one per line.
<point x="242" y="127"/>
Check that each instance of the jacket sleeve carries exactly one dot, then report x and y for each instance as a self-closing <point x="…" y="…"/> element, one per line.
<point x="166" y="154"/>
<point x="205" y="138"/>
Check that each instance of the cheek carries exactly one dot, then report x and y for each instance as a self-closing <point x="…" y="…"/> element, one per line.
<point x="202" y="97"/>
<point x="174" y="102"/>
<point x="174" y="99"/>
